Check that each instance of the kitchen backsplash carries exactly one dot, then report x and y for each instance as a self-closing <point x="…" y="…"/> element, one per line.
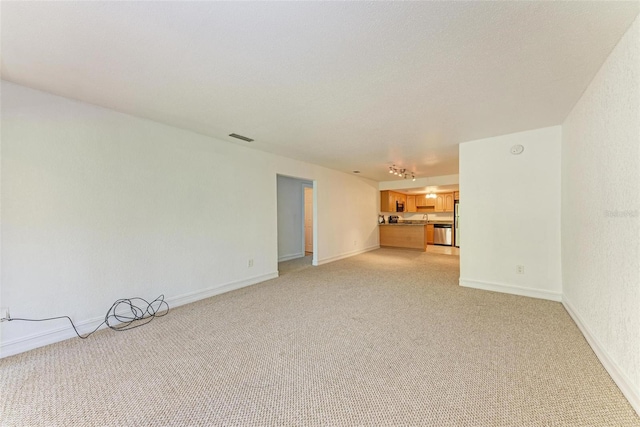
<point x="433" y="216"/>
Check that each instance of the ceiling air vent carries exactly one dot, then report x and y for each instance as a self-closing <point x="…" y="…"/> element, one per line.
<point x="244" y="138"/>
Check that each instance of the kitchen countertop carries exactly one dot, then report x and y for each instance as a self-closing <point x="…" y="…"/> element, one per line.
<point x="419" y="223"/>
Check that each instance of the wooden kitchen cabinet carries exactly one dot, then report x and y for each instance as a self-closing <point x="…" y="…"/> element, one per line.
<point x="397" y="198"/>
<point x="388" y="200"/>
<point x="444" y="202"/>
<point x="404" y="236"/>
<point x="429" y="234"/>
<point x="423" y="201"/>
<point x="448" y="202"/>
<point x="411" y="204"/>
<point x="456" y="195"/>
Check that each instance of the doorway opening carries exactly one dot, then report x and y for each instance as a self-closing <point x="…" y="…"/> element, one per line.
<point x="308" y="220"/>
<point x="296" y="209"/>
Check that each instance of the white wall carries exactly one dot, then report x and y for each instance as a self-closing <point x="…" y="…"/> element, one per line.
<point x="98" y="205"/>
<point x="505" y="215"/>
<point x="343" y="209"/>
<point x="291" y="217"/>
<point x="601" y="214"/>
<point x="430" y="181"/>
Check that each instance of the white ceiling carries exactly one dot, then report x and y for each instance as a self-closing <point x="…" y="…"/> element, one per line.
<point x="347" y="85"/>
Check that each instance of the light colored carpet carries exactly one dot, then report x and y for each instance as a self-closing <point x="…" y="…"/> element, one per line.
<point x="386" y="338"/>
<point x="294" y="265"/>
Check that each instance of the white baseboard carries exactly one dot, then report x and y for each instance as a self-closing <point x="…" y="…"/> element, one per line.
<point x="622" y="381"/>
<point x="290" y="257"/>
<point x="65" y="332"/>
<point x="511" y="289"/>
<point x="51" y="336"/>
<point x="183" y="299"/>
<point x="345" y="255"/>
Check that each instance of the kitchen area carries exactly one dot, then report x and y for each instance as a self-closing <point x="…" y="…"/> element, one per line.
<point x="421" y="220"/>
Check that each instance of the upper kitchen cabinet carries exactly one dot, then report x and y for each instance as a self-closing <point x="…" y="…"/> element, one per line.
<point x="423" y="201"/>
<point x="444" y="202"/>
<point x="448" y="202"/>
<point x="411" y="204"/>
<point x="390" y="199"/>
<point x="386" y="202"/>
<point x="416" y="203"/>
<point x="456" y="195"/>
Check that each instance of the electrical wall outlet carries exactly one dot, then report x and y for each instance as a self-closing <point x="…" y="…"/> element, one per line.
<point x="4" y="313"/>
<point x="520" y="269"/>
<point x="250" y="263"/>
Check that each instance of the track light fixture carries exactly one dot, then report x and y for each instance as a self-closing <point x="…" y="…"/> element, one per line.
<point x="402" y="173"/>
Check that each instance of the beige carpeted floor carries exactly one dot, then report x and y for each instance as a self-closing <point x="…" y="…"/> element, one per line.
<point x="386" y="338"/>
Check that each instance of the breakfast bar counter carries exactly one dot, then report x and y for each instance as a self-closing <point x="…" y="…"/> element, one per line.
<point x="406" y="235"/>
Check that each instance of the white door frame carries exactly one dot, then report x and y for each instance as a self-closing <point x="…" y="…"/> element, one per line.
<point x="313" y="186"/>
<point x="312" y="183"/>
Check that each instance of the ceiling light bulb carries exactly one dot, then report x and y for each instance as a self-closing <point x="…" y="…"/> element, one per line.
<point x="413" y="178"/>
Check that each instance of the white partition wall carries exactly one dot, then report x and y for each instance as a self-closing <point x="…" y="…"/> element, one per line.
<point x="511" y="215"/>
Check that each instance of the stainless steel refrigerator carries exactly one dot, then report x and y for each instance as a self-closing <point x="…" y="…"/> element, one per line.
<point x="456" y="223"/>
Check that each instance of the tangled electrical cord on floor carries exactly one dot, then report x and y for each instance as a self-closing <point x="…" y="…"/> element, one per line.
<point x="120" y="318"/>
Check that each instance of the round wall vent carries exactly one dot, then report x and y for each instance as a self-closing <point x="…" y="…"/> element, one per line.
<point x="517" y="149"/>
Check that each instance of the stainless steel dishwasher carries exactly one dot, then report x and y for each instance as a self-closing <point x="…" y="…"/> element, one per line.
<point x="442" y="234"/>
